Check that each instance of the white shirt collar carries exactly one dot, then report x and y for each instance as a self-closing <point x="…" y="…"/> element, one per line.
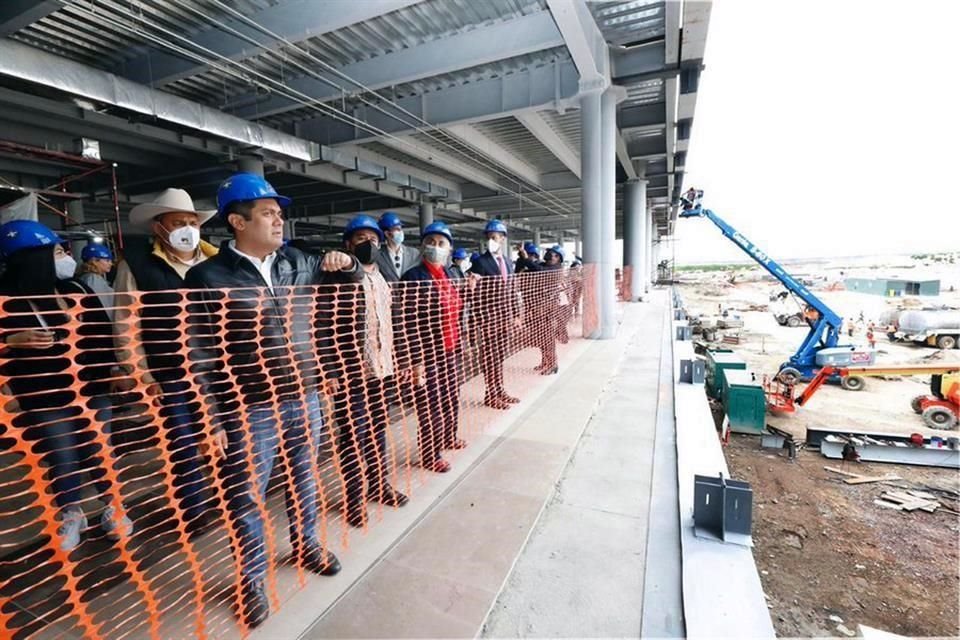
<point x="265" y="266"/>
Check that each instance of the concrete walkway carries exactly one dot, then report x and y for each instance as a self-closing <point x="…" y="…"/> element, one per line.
<point x="545" y="534"/>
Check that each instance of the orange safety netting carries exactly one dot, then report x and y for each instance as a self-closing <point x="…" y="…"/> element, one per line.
<point x="209" y="417"/>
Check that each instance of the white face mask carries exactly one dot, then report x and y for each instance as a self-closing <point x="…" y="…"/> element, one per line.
<point x="397" y="237"/>
<point x="465" y="266"/>
<point x="436" y="255"/>
<point x="184" y="238"/>
<point x="493" y="246"/>
<point x="65" y="267"/>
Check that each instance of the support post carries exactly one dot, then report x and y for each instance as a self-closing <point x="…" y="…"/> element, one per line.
<point x="250" y="163"/>
<point x="608" y="214"/>
<point x="426" y="213"/>
<point x="537" y="237"/>
<point x="75" y="211"/>
<point x="590" y="202"/>
<point x="635" y="230"/>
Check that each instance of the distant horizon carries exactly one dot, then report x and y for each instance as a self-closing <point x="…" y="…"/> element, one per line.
<point x="908" y="255"/>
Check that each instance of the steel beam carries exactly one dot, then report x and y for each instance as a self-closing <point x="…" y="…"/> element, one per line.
<point x="451" y="164"/>
<point x="495" y="152"/>
<point x="583" y="38"/>
<point x="624" y="157"/>
<point x="542" y="131"/>
<point x="17" y="14"/>
<point x="292" y="20"/>
<point x="483" y="45"/>
<point x="532" y="89"/>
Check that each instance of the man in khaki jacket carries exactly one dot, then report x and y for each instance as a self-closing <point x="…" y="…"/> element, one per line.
<point x="156" y="267"/>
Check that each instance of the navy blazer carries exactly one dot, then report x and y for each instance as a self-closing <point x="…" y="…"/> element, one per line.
<point x="494" y="301"/>
<point x="419" y="305"/>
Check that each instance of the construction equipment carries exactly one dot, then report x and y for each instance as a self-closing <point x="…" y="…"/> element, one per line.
<point x="821" y="346"/>
<point x="940" y="410"/>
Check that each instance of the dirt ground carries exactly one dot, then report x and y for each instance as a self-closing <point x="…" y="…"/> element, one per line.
<point x="822" y="546"/>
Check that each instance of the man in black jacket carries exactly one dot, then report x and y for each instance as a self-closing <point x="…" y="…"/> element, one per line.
<point x="497" y="311"/>
<point x="257" y="356"/>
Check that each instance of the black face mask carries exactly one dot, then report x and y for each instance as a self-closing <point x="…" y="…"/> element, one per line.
<point x="364" y="252"/>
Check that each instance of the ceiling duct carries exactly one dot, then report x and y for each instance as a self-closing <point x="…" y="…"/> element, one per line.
<point x="18" y="60"/>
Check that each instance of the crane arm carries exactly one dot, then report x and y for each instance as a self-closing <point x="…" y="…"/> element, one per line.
<point x="768" y="263"/>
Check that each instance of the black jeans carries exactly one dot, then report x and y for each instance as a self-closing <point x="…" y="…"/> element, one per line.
<point x="361" y="409"/>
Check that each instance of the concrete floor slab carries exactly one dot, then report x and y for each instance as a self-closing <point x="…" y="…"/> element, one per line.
<point x="396" y="601"/>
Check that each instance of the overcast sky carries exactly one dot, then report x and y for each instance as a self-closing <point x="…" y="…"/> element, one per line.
<point x="827" y="129"/>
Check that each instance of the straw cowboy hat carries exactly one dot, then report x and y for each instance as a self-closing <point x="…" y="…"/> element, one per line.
<point x="169" y="201"/>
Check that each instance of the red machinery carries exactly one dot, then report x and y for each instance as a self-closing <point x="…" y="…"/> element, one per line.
<point x="940" y="410"/>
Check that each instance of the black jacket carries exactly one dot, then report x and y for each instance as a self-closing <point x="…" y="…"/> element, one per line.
<point x="494" y="301"/>
<point x="418" y="301"/>
<point x="258" y="342"/>
<point x="42" y="378"/>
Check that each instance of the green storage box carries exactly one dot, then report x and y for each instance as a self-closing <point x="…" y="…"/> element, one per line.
<point x="744" y="401"/>
<point x="719" y="362"/>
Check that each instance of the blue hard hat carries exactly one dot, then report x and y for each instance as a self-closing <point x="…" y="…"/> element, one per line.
<point x="558" y="249"/>
<point x="437" y="228"/>
<point x="474" y="256"/>
<point x="389" y="220"/>
<point x="244" y="187"/>
<point x="362" y="221"/>
<point x="495" y="226"/>
<point x="17" y="235"/>
<point x="460" y="254"/>
<point x="529" y="247"/>
<point x="96" y="251"/>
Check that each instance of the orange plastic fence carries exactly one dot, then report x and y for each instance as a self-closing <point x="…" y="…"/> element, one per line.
<point x="209" y="417"/>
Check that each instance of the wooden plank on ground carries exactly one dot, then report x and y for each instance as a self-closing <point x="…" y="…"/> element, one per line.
<point x="865" y="479"/>
<point x="888" y="505"/>
<point x="844" y="473"/>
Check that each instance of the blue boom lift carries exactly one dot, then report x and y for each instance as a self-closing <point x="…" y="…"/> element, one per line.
<point x="821" y="346"/>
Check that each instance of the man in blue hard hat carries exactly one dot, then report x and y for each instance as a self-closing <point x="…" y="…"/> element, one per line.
<point x="528" y="258"/>
<point x="497" y="311"/>
<point x="394" y="257"/>
<point x="261" y="369"/>
<point x="97" y="262"/>
<point x="365" y="335"/>
<point x="460" y="263"/>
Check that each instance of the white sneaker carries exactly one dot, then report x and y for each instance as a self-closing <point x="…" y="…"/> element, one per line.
<point x="73" y="522"/>
<point x="115" y="526"/>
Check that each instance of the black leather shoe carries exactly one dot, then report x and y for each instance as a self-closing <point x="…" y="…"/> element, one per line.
<point x="391" y="497"/>
<point x="255" y="605"/>
<point x="509" y="399"/>
<point x="319" y="560"/>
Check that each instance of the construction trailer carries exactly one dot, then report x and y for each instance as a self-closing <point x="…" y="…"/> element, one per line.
<point x="893" y="287"/>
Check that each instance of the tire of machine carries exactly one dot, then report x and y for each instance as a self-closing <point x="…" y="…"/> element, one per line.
<point x="793" y="322"/>
<point x="939" y="418"/>
<point x="853" y="383"/>
<point x="788" y="375"/>
<point x="915" y="404"/>
<point x="946" y="342"/>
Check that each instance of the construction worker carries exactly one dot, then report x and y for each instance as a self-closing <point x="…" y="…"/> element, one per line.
<point x="262" y="375"/>
<point x="365" y="335"/>
<point x="156" y="266"/>
<point x="97" y="262"/>
<point x="495" y="305"/>
<point x="528" y="258"/>
<point x="434" y="308"/>
<point x="49" y="386"/>
<point x="393" y="257"/>
<point x="461" y="263"/>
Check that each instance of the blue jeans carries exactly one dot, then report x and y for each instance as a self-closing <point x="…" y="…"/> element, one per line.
<point x="300" y="487"/>
<point x="67" y="443"/>
<point x="180" y="413"/>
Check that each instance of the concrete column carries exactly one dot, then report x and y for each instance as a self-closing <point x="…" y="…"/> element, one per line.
<point x="426" y="213"/>
<point x="590" y="204"/>
<point x="635" y="235"/>
<point x="537" y="237"/>
<point x="75" y="211"/>
<point x="608" y="214"/>
<point x="250" y="164"/>
<point x="577" y="246"/>
<point x="654" y="245"/>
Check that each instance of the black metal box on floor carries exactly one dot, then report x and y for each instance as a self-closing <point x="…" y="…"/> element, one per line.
<point x="692" y="371"/>
<point x="723" y="509"/>
<point x="684" y="332"/>
<point x="679" y="314"/>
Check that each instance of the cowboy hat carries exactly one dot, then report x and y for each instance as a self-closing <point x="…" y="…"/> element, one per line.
<point x="169" y="201"/>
